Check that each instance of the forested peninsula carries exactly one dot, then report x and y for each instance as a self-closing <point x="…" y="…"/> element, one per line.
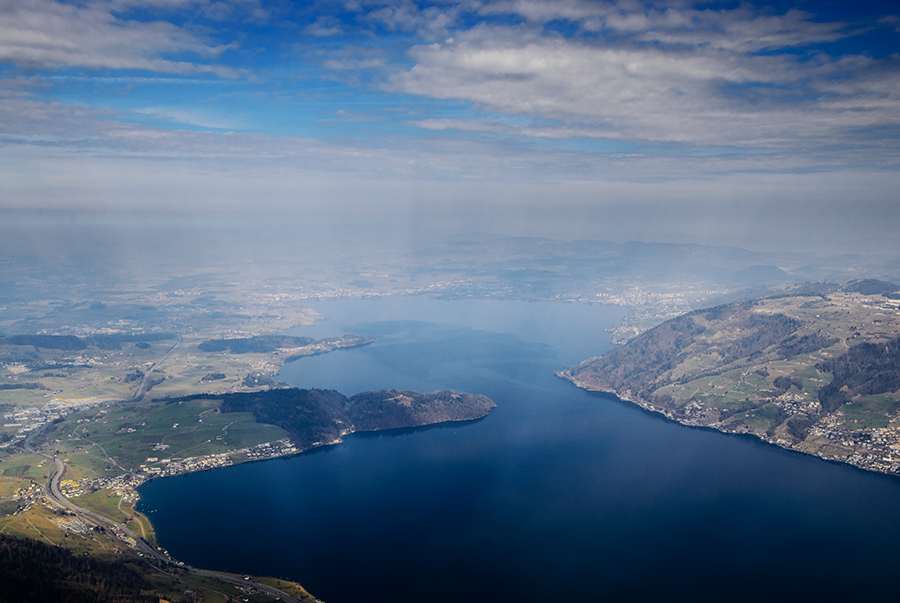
<point x="314" y="417"/>
<point x="814" y="369"/>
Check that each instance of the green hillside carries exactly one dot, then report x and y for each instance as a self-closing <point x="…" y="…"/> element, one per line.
<point x="817" y="370"/>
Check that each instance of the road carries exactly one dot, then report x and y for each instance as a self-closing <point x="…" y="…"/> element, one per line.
<point x="89" y="517"/>
<point x="123" y="533"/>
<point x="120" y="531"/>
<point x="142" y="388"/>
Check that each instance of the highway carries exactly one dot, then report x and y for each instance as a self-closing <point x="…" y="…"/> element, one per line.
<point x="93" y="519"/>
<point x="55" y="495"/>
<point x="89" y="517"/>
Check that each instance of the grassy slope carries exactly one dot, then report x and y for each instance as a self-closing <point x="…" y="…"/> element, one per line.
<point x="758" y="368"/>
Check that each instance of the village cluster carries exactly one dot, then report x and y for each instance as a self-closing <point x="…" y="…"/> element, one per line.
<point x="125" y="485"/>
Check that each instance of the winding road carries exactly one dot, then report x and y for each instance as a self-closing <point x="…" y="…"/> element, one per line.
<point x="120" y="531"/>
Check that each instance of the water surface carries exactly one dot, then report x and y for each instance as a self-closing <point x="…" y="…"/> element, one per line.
<point x="558" y="493"/>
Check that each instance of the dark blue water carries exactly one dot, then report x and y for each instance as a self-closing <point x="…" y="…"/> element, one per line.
<point x="557" y="494"/>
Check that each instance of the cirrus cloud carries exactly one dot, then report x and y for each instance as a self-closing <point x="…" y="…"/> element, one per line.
<point x="48" y="34"/>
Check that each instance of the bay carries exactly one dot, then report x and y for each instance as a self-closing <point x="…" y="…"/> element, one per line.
<point x="558" y="493"/>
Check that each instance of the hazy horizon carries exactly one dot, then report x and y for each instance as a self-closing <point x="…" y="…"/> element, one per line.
<point x="767" y="126"/>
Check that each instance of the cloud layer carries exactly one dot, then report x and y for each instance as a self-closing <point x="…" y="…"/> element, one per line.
<point x="728" y="77"/>
<point x="565" y="106"/>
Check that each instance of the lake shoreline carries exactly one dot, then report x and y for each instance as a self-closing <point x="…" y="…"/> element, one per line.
<point x="628" y="398"/>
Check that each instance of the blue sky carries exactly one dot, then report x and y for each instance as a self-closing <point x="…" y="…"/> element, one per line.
<point x="655" y="121"/>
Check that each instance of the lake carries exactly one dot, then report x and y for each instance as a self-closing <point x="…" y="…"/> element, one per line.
<point x="557" y="494"/>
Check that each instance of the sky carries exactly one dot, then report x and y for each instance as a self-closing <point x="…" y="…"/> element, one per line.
<point x="766" y="125"/>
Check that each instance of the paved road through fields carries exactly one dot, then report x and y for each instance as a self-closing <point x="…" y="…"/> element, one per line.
<point x="120" y="531"/>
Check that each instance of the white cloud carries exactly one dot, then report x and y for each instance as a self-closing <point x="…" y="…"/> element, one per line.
<point x="55" y="155"/>
<point x="352" y="57"/>
<point x="542" y="11"/>
<point x="431" y="23"/>
<point x="738" y="29"/>
<point x="541" y="131"/>
<point x="743" y="27"/>
<point x="703" y="95"/>
<point x="66" y="131"/>
<point x="698" y="85"/>
<point x="48" y="34"/>
<point x="892" y="21"/>
<point x="324" y="26"/>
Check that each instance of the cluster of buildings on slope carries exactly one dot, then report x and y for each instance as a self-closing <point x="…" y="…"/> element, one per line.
<point x="33" y="494"/>
<point x="155" y="467"/>
<point x="875" y="449"/>
<point x="30" y="420"/>
<point x="791" y="404"/>
<point x="72" y="523"/>
<point x="27" y="496"/>
<point x="872" y="449"/>
<point x="125" y="485"/>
